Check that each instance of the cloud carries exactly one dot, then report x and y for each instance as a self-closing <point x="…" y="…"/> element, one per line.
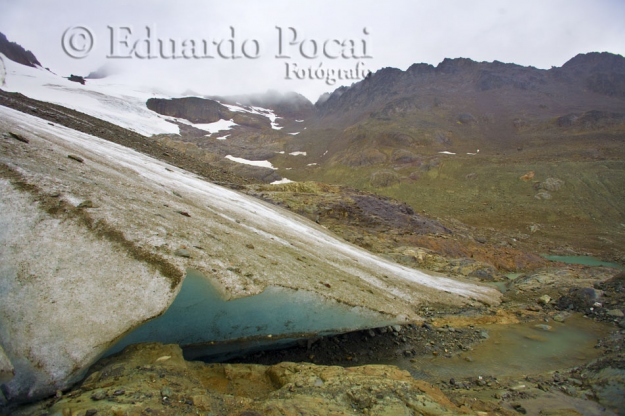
<point x="400" y="32"/>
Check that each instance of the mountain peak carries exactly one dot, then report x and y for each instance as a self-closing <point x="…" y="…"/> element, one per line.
<point x="596" y="61"/>
<point x="17" y="53"/>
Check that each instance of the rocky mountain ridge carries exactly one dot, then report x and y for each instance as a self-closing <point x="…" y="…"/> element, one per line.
<point x="17" y="53"/>
<point x="599" y="73"/>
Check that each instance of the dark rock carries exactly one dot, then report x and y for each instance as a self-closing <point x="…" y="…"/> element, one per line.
<point x="467" y="118"/>
<point x="17" y="53"/>
<point x="485" y="273"/>
<point x="98" y="395"/>
<point x="577" y="299"/>
<point x="86" y="204"/>
<point x="19" y="137"/>
<point x="77" y="78"/>
<point x="256" y="121"/>
<point x="404" y="156"/>
<point x="615" y="283"/>
<point x="442" y="138"/>
<point x="194" y="109"/>
<point x="76" y="158"/>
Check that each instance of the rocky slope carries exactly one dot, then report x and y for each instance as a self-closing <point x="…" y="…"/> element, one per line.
<point x="463" y="139"/>
<point x="78" y="209"/>
<point x="155" y="378"/>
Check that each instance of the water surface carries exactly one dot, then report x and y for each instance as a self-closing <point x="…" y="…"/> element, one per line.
<point x="584" y="260"/>
<point x="519" y="349"/>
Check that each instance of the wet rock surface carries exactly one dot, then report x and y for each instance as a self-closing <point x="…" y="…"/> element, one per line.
<point x="374" y="345"/>
<point x="155" y="379"/>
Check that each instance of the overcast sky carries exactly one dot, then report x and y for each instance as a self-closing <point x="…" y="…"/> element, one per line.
<point x="396" y="33"/>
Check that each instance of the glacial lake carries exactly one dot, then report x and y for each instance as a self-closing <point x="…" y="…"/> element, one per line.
<point x="205" y="324"/>
<point x="584" y="260"/>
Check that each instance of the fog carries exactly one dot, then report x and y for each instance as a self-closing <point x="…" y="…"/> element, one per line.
<point x="237" y="47"/>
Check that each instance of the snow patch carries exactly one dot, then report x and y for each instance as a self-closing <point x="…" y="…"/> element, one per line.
<point x="281" y="181"/>
<point x="295" y="134"/>
<point x="265" y="112"/>
<point x="121" y="105"/>
<point x="260" y="163"/>
<point x="445" y="152"/>
<point x="216" y="126"/>
<point x="298" y="153"/>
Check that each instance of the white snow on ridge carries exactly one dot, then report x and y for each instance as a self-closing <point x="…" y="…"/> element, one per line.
<point x="256" y="110"/>
<point x="261" y="163"/>
<point x="269" y="114"/>
<point x="215" y="127"/>
<point x="102" y="98"/>
<point x="298" y="153"/>
<point x="295" y="134"/>
<point x="445" y="152"/>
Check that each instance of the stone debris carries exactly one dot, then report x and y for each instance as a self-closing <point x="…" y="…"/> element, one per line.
<point x="135" y="380"/>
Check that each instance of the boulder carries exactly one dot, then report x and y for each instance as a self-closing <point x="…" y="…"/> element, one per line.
<point x="578" y="299"/>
